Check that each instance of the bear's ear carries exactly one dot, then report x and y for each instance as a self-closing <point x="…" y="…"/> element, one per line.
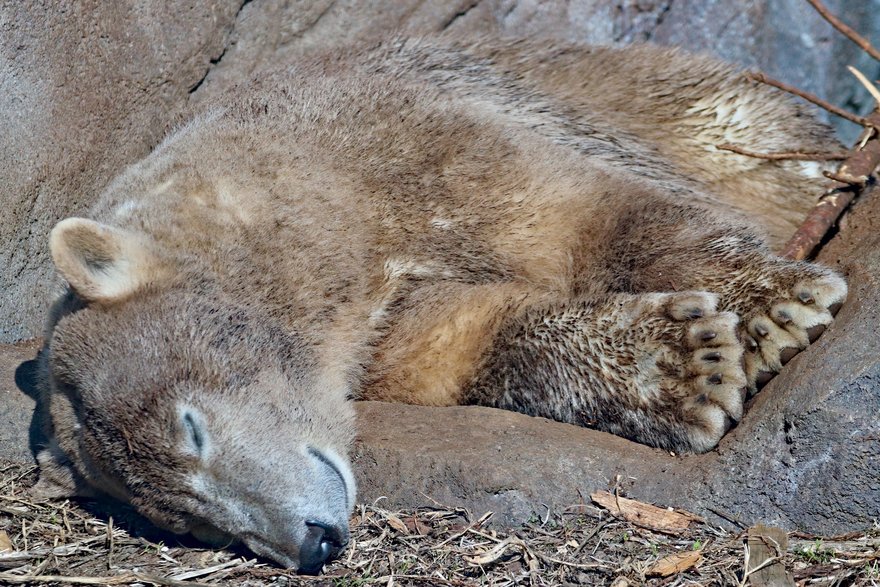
<point x="101" y="263"/>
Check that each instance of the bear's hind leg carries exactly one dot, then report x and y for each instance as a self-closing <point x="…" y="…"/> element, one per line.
<point x="782" y="304"/>
<point x="664" y="369"/>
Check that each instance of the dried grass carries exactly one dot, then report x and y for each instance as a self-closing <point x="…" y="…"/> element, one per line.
<point x="71" y="543"/>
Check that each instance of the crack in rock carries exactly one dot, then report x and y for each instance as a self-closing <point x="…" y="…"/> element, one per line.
<point x="459" y="15"/>
<point x="228" y="42"/>
<point x="642" y="25"/>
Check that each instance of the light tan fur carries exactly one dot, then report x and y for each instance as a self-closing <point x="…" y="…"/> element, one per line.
<point x="542" y="228"/>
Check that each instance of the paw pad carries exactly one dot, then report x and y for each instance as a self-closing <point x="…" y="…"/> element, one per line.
<point x="790" y="324"/>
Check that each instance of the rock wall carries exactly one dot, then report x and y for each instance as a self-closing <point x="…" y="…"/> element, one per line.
<point x="786" y="38"/>
<point x="87" y="87"/>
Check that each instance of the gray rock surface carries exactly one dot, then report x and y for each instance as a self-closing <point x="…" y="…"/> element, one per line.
<point x="785" y="38"/>
<point x="85" y="91"/>
<point x="485" y="459"/>
<point x="16" y="406"/>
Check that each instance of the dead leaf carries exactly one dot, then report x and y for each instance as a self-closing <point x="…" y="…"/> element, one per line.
<point x="5" y="542"/>
<point x="397" y="524"/>
<point x="416" y="526"/>
<point x="644" y="514"/>
<point x="675" y="563"/>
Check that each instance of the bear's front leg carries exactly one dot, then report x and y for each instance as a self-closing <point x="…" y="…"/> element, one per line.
<point x="664" y="369"/>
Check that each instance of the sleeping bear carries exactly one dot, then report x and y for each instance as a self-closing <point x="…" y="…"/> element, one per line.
<point x="536" y="227"/>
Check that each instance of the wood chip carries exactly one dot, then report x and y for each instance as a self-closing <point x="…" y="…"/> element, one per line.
<point x="5" y="542"/>
<point x="675" y="563"/>
<point x="764" y="567"/>
<point x="645" y="515"/>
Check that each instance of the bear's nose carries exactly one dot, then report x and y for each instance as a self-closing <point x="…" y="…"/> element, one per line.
<point x="323" y="542"/>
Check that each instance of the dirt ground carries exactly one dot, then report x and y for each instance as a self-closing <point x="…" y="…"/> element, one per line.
<point x="80" y="543"/>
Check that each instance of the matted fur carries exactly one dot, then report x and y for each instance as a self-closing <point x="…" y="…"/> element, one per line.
<point x="548" y="229"/>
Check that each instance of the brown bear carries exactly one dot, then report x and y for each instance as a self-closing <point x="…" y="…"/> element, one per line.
<point x="542" y="228"/>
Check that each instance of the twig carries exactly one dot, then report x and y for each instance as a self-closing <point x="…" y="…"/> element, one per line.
<point x="18" y="556"/>
<point x="825" y="105"/>
<point x="763" y="565"/>
<point x="470" y="528"/>
<point x="791" y="156"/>
<point x="728" y="517"/>
<point x="853" y="180"/>
<point x="110" y="544"/>
<point x="213" y="569"/>
<point x="9" y="578"/>
<point x="845" y="29"/>
<point x="19" y="513"/>
<point x="837" y="197"/>
<point x="584" y="540"/>
<point x="872" y="89"/>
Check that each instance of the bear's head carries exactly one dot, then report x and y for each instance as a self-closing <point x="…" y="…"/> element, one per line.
<point x="195" y="409"/>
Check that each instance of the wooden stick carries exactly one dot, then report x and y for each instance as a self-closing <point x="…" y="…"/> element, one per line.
<point x="862" y="163"/>
<point x="846" y="30"/>
<point x="764" y="567"/>
<point x="825" y="105"/>
<point x="872" y="89"/>
<point x="128" y="578"/>
<point x="853" y="180"/>
<point x="792" y="156"/>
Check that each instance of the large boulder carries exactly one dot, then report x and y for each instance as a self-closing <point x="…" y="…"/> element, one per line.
<point x="84" y="91"/>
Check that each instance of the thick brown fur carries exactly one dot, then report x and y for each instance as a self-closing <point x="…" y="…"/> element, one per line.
<point x="547" y="229"/>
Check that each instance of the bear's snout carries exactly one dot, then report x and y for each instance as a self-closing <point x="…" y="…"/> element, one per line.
<point x="322" y="544"/>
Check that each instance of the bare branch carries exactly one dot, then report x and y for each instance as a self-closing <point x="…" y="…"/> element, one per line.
<point x="825" y="105"/>
<point x="872" y="89"/>
<point x="845" y="29"/>
<point x="789" y="156"/>
<point x="853" y="180"/>
<point x="860" y="165"/>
